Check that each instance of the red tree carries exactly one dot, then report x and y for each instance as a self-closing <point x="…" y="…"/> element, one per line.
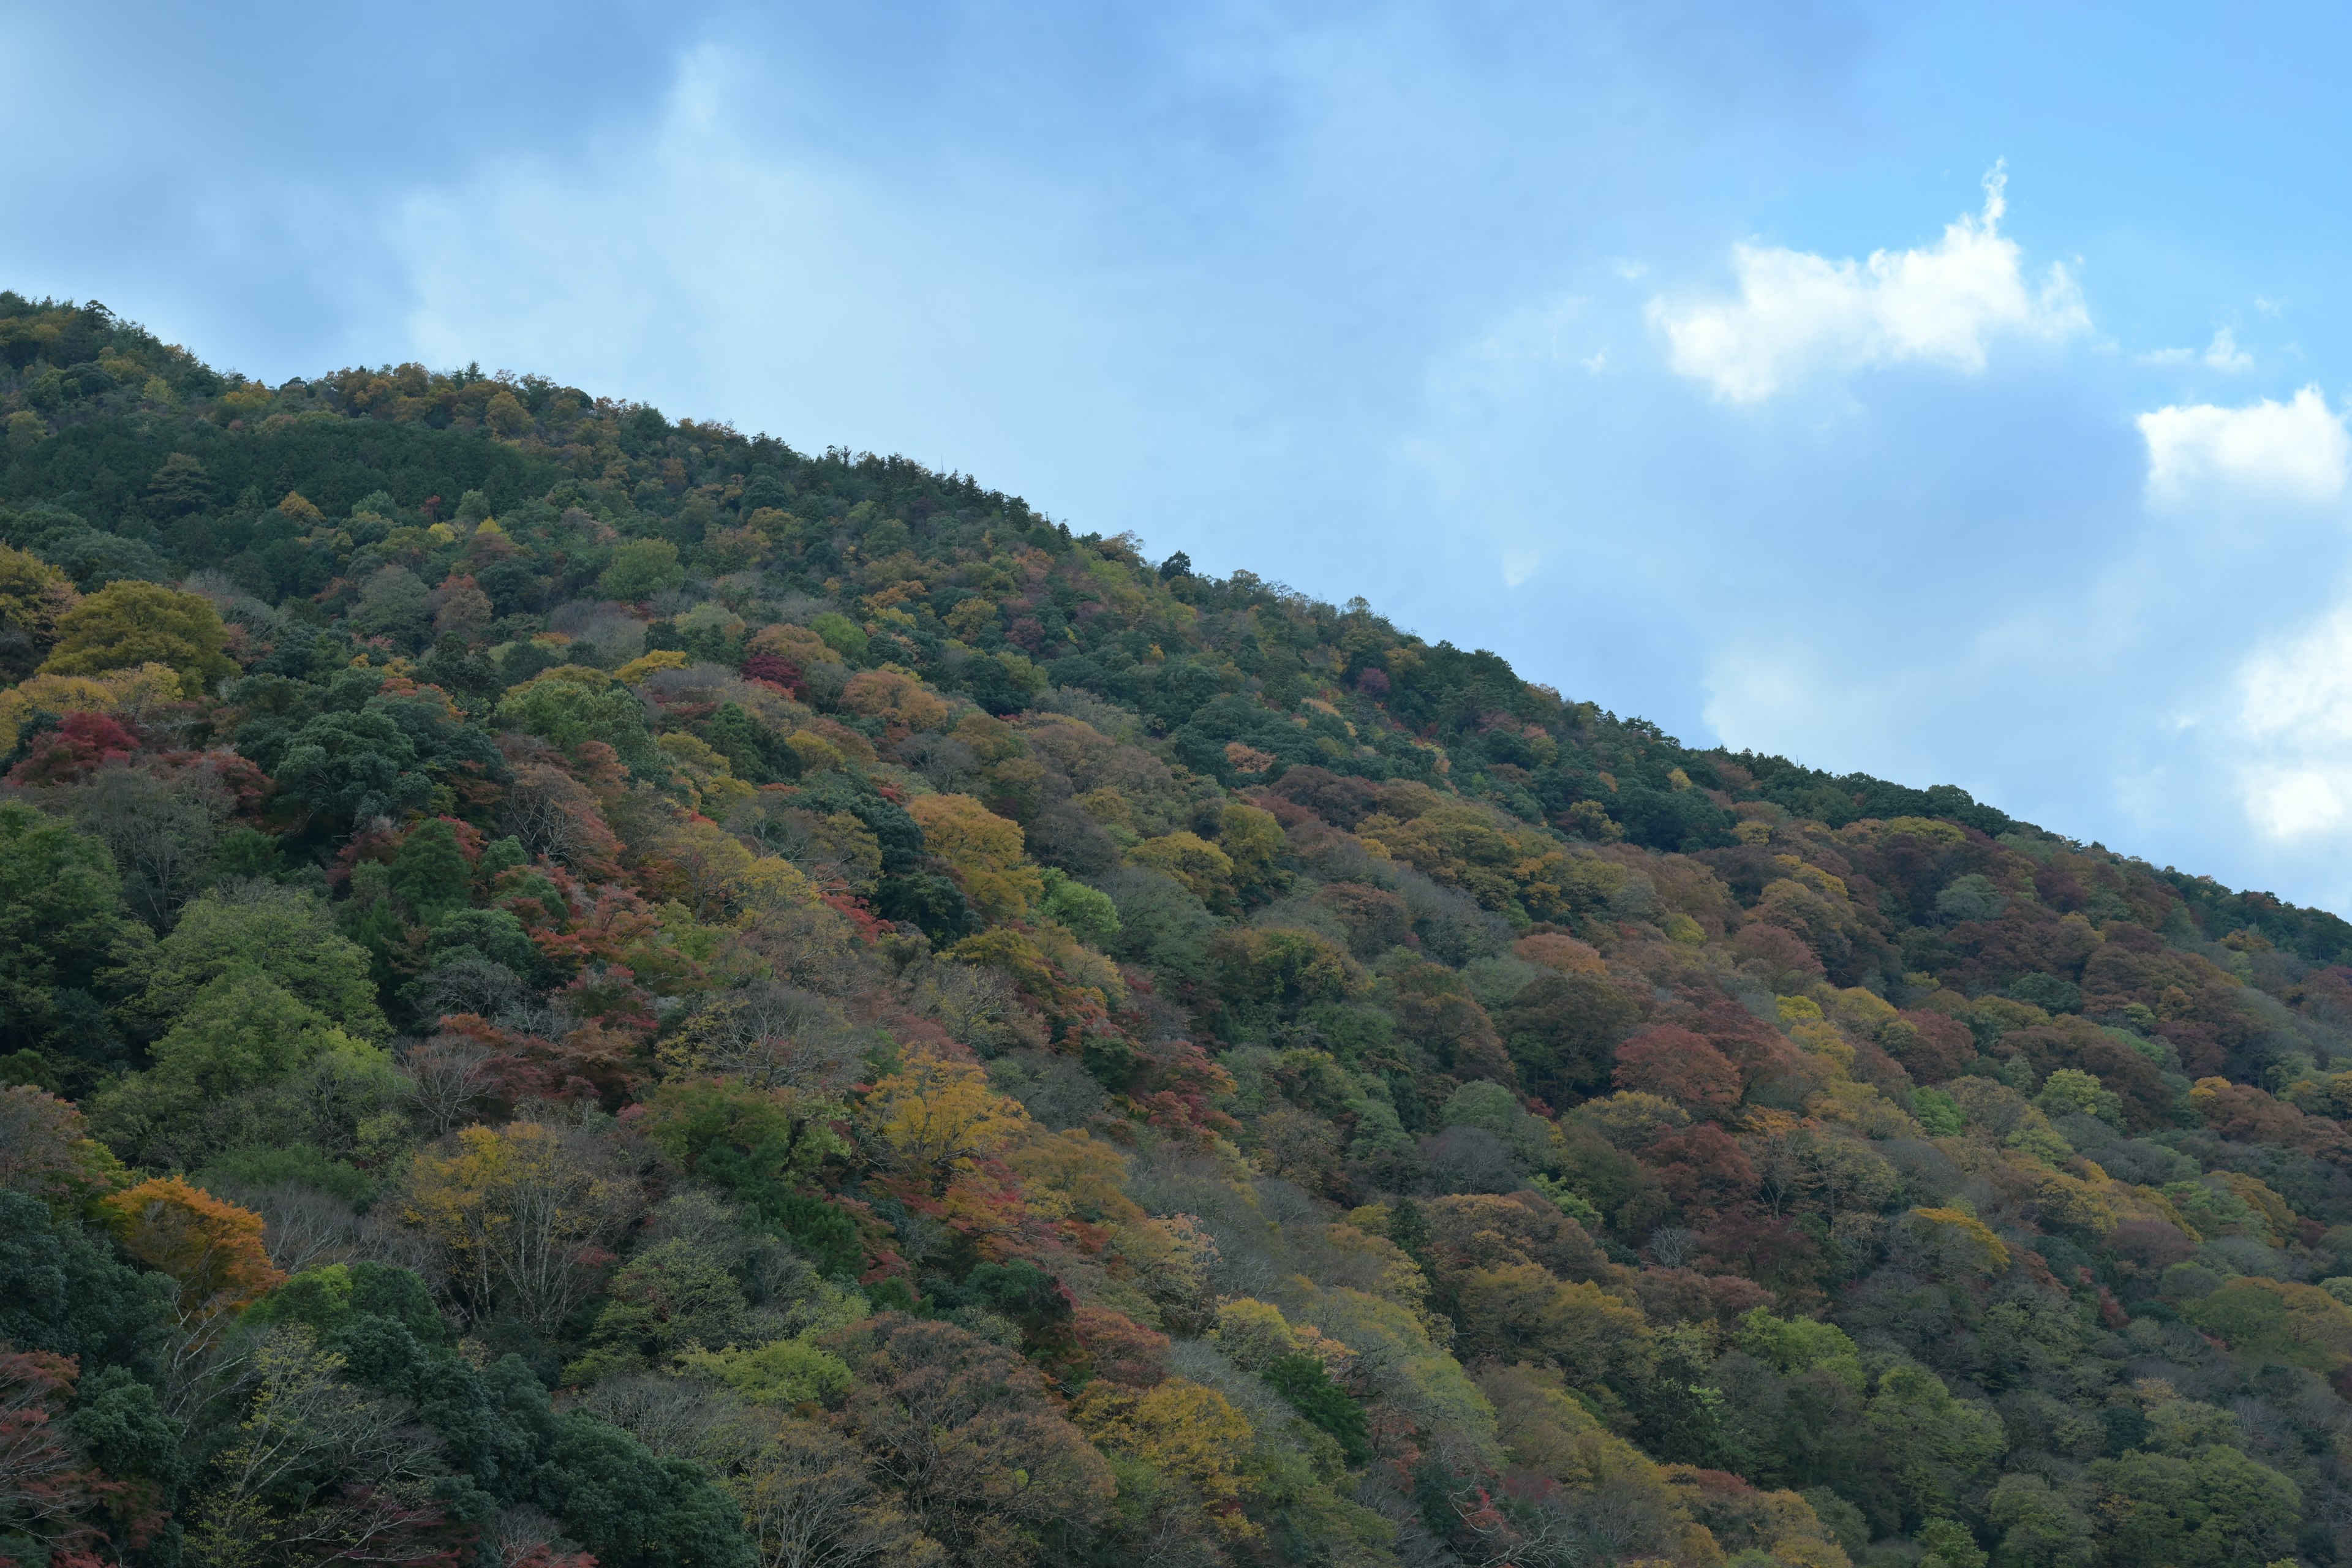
<point x="1669" y="1060"/>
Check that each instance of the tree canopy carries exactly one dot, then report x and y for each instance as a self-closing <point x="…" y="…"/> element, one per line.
<point x="579" y="987"/>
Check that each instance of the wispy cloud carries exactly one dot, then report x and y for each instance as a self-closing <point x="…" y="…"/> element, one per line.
<point x="2296" y="721"/>
<point x="1799" y="314"/>
<point x="2223" y="355"/>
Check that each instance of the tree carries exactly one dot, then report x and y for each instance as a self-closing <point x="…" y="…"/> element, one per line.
<point x="671" y="1298"/>
<point x="1685" y="1067"/>
<point x="67" y="1293"/>
<point x="46" y="1150"/>
<point x="632" y="1510"/>
<point x="1253" y="842"/>
<point x="984" y="852"/>
<point x="965" y="1430"/>
<point x="349" y="768"/>
<point x="761" y="1144"/>
<point x="1184" y="1430"/>
<point x="278" y="932"/>
<point x="242" y="1029"/>
<point x="460" y="608"/>
<point x="247" y="1065"/>
<point x="211" y="1251"/>
<point x="122" y="692"/>
<point x="430" y="872"/>
<point x="1931" y="1446"/>
<point x="179" y="486"/>
<point x="1205" y="870"/>
<point x="2041" y="1526"/>
<point x="770" y="1037"/>
<point x="808" y="1503"/>
<point x="1947" y="1543"/>
<point x="525" y="1212"/>
<point x="48" y="1488"/>
<point x="317" y="1470"/>
<point x="783" y="1372"/>
<point x="33" y="595"/>
<point x="127" y="624"/>
<point x="1559" y="1029"/>
<point x="572" y="705"/>
<point x="1276" y="973"/>
<point x="1088" y="912"/>
<point x="936" y="1115"/>
<point x="393" y="603"/>
<point x="2215" y="1509"/>
<point x="60" y="918"/>
<point x="640" y="568"/>
<point x="1520" y="1311"/>
<point x="162" y="826"/>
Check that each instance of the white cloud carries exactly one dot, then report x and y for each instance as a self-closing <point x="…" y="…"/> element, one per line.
<point x="2223" y="355"/>
<point x="2278" y="452"/>
<point x="1800" y="314"/>
<point x="2296" y="716"/>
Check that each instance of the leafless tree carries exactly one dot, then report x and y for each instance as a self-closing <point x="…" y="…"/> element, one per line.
<point x="447" y="1076"/>
<point x="808" y="1502"/>
<point x="161" y="825"/>
<point x="318" y="1468"/>
<point x="777" y="1036"/>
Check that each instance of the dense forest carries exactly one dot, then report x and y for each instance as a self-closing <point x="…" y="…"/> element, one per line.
<point x="578" y="989"/>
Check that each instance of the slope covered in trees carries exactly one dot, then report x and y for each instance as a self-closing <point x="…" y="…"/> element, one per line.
<point x="583" y="987"/>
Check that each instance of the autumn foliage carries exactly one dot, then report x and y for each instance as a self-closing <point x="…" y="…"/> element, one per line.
<point x="580" y="990"/>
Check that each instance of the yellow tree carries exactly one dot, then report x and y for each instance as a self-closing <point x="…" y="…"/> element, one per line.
<point x="33" y="595"/>
<point x="1181" y="1429"/>
<point x="1200" y="866"/>
<point x="1251" y="839"/>
<point x="936" y="1115"/>
<point x="524" y="1211"/>
<point x="983" y="850"/>
<point x="127" y="624"/>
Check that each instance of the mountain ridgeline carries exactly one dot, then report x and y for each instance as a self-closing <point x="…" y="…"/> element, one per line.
<point x="578" y="988"/>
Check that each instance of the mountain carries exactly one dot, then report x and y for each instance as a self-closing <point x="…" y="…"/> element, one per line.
<point x="583" y="987"/>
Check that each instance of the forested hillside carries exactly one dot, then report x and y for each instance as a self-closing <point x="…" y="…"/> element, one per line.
<point x="580" y="988"/>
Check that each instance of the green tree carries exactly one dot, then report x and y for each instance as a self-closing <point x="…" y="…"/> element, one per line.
<point x="393" y="603"/>
<point x="640" y="568"/>
<point x="126" y="623"/>
<point x="66" y="1292"/>
<point x="760" y="1146"/>
<point x="1087" y="912"/>
<point x="348" y="768"/>
<point x="2040" y="1526"/>
<point x="287" y="936"/>
<point x="430" y="871"/>
<point x="571" y="705"/>
<point x="61" y="919"/>
<point x="2215" y="1509"/>
<point x="1931" y="1446"/>
<point x="1947" y="1543"/>
<point x="669" y="1299"/>
<point x="633" y="1509"/>
<point x="242" y="1029"/>
<point x="841" y="634"/>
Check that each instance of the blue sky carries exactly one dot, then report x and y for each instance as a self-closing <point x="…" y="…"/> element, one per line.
<point x="1955" y="393"/>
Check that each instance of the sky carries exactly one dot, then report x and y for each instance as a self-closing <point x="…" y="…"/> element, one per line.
<point x="1954" y="394"/>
